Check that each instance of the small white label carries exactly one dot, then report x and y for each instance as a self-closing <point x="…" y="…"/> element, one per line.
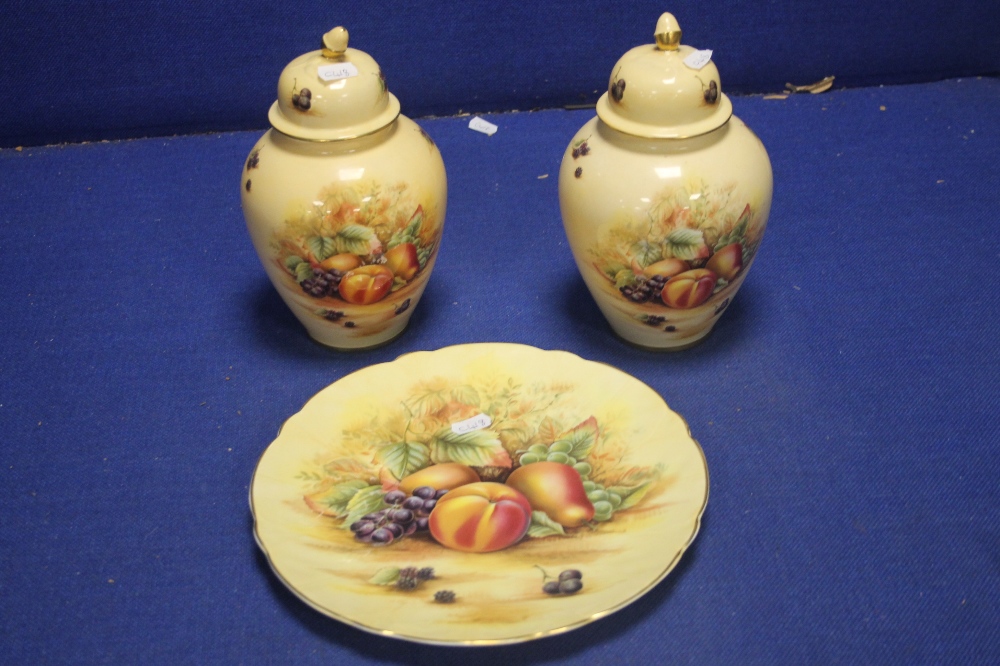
<point x="337" y="71"/>
<point x="469" y="425"/>
<point x="698" y="59"/>
<point x="483" y="126"/>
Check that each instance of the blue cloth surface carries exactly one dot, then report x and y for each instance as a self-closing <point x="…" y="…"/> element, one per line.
<point x="74" y="71"/>
<point x="847" y="402"/>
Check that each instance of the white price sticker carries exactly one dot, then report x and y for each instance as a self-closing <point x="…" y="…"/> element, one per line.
<point x="698" y="59"/>
<point x="477" y="422"/>
<point x="483" y="126"/>
<point x="337" y="71"/>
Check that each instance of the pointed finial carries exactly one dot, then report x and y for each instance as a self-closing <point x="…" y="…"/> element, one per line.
<point x="668" y="33"/>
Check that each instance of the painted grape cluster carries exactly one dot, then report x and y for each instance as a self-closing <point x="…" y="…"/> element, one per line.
<point x="405" y="515"/>
<point x="558" y="452"/>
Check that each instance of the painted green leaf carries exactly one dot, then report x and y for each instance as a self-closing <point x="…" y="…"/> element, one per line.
<point x="476" y="448"/>
<point x="292" y="261"/>
<point x="645" y="252"/>
<point x="543" y="526"/>
<point x="397" y="283"/>
<point x="424" y="255"/>
<point x="741" y="225"/>
<point x="612" y="268"/>
<point x="739" y="232"/>
<point x="466" y="395"/>
<point x="624" y="278"/>
<point x="399" y="238"/>
<point x="428" y="403"/>
<point x="333" y="501"/>
<point x="342" y="493"/>
<point x="365" y="501"/>
<point x="686" y="244"/>
<point x="385" y="576"/>
<point x="582" y="438"/>
<point x="403" y="458"/>
<point x="303" y="271"/>
<point x="409" y="233"/>
<point x="631" y="496"/>
<point x="413" y="226"/>
<point x="321" y="247"/>
<point x="354" y="239"/>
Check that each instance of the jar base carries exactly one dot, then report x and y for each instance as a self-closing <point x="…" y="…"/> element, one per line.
<point x="668" y="345"/>
<point x="361" y="343"/>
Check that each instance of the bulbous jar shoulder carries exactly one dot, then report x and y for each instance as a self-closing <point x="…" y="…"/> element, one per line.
<point x="347" y="230"/>
<point x="402" y="151"/>
<point x="603" y="163"/>
<point x="664" y="230"/>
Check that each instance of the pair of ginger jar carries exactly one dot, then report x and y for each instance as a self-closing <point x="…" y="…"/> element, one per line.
<point x="664" y="197"/>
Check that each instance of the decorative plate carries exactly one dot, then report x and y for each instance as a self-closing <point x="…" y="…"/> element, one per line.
<point x="479" y="494"/>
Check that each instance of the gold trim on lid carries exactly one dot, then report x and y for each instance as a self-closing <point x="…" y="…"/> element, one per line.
<point x="668" y="33"/>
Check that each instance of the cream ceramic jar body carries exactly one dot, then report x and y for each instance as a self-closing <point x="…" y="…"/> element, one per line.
<point x="347" y="230"/>
<point x="687" y="214"/>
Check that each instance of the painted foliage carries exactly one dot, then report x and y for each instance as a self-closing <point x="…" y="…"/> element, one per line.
<point x="400" y="472"/>
<point x="464" y="495"/>
<point x="684" y="250"/>
<point x="357" y="244"/>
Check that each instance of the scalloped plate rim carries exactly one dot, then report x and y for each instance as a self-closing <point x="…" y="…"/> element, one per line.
<point x="484" y="642"/>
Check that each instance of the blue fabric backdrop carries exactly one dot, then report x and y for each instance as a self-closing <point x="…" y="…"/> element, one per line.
<point x="96" y="69"/>
<point x="847" y="402"/>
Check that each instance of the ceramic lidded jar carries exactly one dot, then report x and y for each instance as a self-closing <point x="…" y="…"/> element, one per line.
<point x="344" y="198"/>
<point x="664" y="195"/>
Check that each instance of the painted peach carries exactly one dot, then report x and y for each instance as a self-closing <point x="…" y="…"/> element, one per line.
<point x="556" y="489"/>
<point x="480" y="518"/>
<point x="727" y="262"/>
<point x="402" y="260"/>
<point x="366" y="284"/>
<point x="689" y="289"/>
<point x="666" y="267"/>
<point x="341" y="262"/>
<point x="443" y="476"/>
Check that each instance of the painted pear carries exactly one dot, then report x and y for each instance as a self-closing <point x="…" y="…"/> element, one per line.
<point x="444" y="476"/>
<point x="556" y="489"/>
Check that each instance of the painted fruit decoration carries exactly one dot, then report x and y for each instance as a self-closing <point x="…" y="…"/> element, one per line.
<point x="480" y="517"/>
<point x="698" y="245"/>
<point x="555" y="489"/>
<point x="528" y="469"/>
<point x="344" y="198"/>
<point x="445" y="476"/>
<point x="688" y="289"/>
<point x="672" y="183"/>
<point x="356" y="244"/>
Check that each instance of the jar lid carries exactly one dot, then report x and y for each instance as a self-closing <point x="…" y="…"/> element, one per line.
<point x="665" y="90"/>
<point x="331" y="94"/>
